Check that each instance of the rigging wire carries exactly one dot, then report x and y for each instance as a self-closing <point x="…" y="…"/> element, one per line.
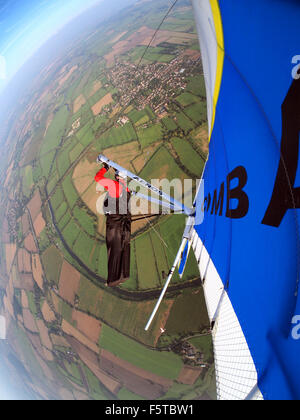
<point x="138" y="66"/>
<point x="157" y="30"/>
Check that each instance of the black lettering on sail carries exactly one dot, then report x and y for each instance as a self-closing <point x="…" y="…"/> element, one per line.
<point x="285" y="196"/>
<point x="218" y="201"/>
<point x="237" y="193"/>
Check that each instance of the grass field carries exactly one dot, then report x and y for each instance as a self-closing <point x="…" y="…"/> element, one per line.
<point x="117" y="136"/>
<point x="161" y="260"/>
<point x="64" y="220"/>
<point x="162" y="166"/>
<point x="136" y="116"/>
<point x="85" y="220"/>
<point x="186" y="99"/>
<point x="83" y="248"/>
<point x="169" y="123"/>
<point x="71" y="232"/>
<point x="188" y="313"/>
<point x="153" y="55"/>
<point x="130" y="317"/>
<point x="46" y="162"/>
<point x="61" y="210"/>
<point x="197" y="112"/>
<point x="149" y="135"/>
<point x="146" y="264"/>
<point x="196" y="86"/>
<point x="171" y="229"/>
<point x="56" y="130"/>
<point x="205" y="345"/>
<point x="166" y="364"/>
<point x="52" y="183"/>
<point x="27" y="180"/>
<point x="70" y="191"/>
<point x="96" y="390"/>
<point x="57" y="198"/>
<point x="184" y="122"/>
<point x="75" y="152"/>
<point x="63" y="161"/>
<point x="52" y="261"/>
<point x="189" y="158"/>
<point x="102" y="261"/>
<point x="126" y="395"/>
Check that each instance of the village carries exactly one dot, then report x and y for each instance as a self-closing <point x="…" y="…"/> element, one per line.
<point x="155" y="84"/>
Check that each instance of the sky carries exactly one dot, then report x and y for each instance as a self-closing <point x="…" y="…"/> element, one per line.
<point x="25" y="25"/>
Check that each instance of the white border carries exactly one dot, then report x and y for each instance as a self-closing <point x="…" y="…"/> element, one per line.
<point x="236" y="374"/>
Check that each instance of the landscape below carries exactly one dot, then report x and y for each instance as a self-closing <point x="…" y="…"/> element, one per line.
<point x="148" y="113"/>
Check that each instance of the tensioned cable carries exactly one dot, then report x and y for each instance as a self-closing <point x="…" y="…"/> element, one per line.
<point x="139" y="63"/>
<point x="155" y="33"/>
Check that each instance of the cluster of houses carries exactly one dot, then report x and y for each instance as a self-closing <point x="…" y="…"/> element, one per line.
<point x="152" y="84"/>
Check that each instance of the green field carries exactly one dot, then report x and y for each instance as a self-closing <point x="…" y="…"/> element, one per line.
<point x="70" y="191"/>
<point x="184" y="122"/>
<point x="76" y="151"/>
<point x="127" y="316"/>
<point x="197" y="112"/>
<point x="162" y="166"/>
<point x="189" y="158"/>
<point x="161" y="363"/>
<point x="52" y="261"/>
<point x="153" y="55"/>
<point x="28" y="178"/>
<point x="141" y="117"/>
<point x="83" y="248"/>
<point x="196" y="86"/>
<point x="57" y="198"/>
<point x="46" y="149"/>
<point x="61" y="210"/>
<point x="146" y="263"/>
<point x="46" y="161"/>
<point x="85" y="220"/>
<point x="126" y="395"/>
<point x="96" y="390"/>
<point x="71" y="232"/>
<point x="188" y="314"/>
<point x="64" y="220"/>
<point x="205" y="345"/>
<point x="169" y="123"/>
<point x="186" y="99"/>
<point x="102" y="261"/>
<point x="149" y="135"/>
<point x="117" y="136"/>
<point x="56" y="130"/>
<point x="172" y="229"/>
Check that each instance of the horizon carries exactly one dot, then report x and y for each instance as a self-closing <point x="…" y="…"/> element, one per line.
<point x="26" y="26"/>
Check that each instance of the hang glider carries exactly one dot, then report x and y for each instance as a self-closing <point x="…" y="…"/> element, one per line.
<point x="164" y="200"/>
<point x="248" y="246"/>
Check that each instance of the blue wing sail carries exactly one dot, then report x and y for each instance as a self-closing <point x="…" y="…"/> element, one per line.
<point x="252" y="179"/>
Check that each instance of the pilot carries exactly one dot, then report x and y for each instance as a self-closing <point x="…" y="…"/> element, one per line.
<point x="118" y="225"/>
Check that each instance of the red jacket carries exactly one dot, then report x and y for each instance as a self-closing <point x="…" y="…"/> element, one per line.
<point x="114" y="188"/>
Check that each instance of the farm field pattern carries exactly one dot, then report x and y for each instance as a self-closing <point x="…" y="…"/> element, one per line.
<point x="74" y="338"/>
